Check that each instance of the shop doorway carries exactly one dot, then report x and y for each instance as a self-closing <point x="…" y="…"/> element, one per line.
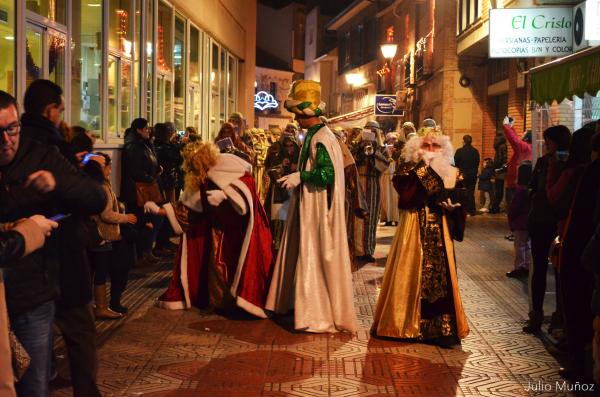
<point x="45" y="54"/>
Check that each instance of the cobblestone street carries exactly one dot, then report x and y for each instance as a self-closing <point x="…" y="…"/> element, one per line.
<point x="159" y="353"/>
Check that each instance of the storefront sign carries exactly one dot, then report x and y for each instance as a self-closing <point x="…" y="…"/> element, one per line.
<point x="385" y="105"/>
<point x="263" y="100"/>
<point x="531" y="32"/>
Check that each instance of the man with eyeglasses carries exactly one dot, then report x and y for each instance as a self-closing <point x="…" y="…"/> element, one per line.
<point x="36" y="179"/>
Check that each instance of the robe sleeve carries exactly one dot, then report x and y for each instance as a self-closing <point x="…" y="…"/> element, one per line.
<point x="457" y="218"/>
<point x="323" y="174"/>
<point x="414" y="183"/>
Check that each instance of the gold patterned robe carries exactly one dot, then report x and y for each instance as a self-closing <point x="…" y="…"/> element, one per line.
<point x="419" y="297"/>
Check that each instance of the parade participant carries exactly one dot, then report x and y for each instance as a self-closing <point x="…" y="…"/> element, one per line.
<point x="239" y="148"/>
<point x="239" y="127"/>
<point x="312" y="272"/>
<point x="261" y="147"/>
<point x="419" y="296"/>
<point x="407" y="129"/>
<point x="277" y="201"/>
<point x="371" y="161"/>
<point x="389" y="197"/>
<point x="224" y="258"/>
<point x="355" y="203"/>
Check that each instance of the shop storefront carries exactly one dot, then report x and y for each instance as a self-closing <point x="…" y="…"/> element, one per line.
<point x="565" y="91"/>
<point x="121" y="59"/>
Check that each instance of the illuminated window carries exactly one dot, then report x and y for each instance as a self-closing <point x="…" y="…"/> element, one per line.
<point x="7" y="47"/>
<point x="86" y="66"/>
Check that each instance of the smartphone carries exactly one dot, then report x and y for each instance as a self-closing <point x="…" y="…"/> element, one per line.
<point x="87" y="157"/>
<point x="59" y="217"/>
<point x="181" y="133"/>
<point x="562" y="155"/>
<point x="510" y="119"/>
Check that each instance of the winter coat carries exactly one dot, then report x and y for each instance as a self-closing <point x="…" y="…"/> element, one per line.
<point x="519" y="209"/>
<point x="500" y="156"/>
<point x="485" y="179"/>
<point x="33" y="280"/>
<point x="521" y="152"/>
<point x="169" y="158"/>
<point x="541" y="213"/>
<point x="139" y="164"/>
<point x="466" y="159"/>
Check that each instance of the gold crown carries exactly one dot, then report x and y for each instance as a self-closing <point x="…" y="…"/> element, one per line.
<point x="429" y="131"/>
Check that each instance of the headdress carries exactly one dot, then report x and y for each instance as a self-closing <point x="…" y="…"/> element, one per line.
<point x="304" y="98"/>
<point x="372" y="124"/>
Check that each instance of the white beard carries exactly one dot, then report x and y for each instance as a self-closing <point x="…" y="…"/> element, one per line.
<point x="444" y="168"/>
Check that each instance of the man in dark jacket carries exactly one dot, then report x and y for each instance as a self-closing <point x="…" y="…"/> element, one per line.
<point x="36" y="178"/>
<point x="44" y="105"/>
<point x="467" y="160"/>
<point x="500" y="160"/>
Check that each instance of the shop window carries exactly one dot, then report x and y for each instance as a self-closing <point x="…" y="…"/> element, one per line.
<point x="232" y="84"/>
<point x="54" y="10"/>
<point x="120" y="35"/>
<point x="137" y="39"/>
<point x="179" y="51"/>
<point x="7" y="46"/>
<point x="86" y="66"/>
<point x="150" y="52"/>
<point x="468" y="12"/>
<point x="194" y="105"/>
<point x="194" y="55"/>
<point x="222" y="89"/>
<point x="214" y="91"/>
<point x="164" y="44"/>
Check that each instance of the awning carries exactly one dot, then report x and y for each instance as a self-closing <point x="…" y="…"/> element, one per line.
<point x="575" y="74"/>
<point x="353" y="119"/>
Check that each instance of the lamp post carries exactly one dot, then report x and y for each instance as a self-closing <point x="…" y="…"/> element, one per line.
<point x="388" y="49"/>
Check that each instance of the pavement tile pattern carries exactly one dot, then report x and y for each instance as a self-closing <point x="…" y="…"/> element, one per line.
<point x="160" y="353"/>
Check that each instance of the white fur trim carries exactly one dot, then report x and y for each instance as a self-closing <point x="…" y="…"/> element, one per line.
<point x="173" y="219"/>
<point x="236" y="199"/>
<point x="246" y="243"/>
<point x="250" y="308"/>
<point x="192" y="200"/>
<point x="183" y="272"/>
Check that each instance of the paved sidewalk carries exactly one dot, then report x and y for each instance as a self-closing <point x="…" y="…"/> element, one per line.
<point x="159" y="353"/>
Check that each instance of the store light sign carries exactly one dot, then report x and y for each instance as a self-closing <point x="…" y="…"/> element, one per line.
<point x="530" y="32"/>
<point x="263" y="100"/>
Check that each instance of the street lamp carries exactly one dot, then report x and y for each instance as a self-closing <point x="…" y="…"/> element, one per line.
<point x="389" y="48"/>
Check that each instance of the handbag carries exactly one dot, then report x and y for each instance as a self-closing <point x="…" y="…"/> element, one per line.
<point x="20" y="358"/>
<point x="148" y="191"/>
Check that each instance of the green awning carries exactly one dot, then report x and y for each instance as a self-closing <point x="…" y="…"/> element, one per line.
<point x="575" y="74"/>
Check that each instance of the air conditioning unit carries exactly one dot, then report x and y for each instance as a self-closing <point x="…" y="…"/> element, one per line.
<point x="579" y="41"/>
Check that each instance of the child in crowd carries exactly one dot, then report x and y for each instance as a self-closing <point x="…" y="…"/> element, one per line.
<point x="517" y="221"/>
<point x="485" y="185"/>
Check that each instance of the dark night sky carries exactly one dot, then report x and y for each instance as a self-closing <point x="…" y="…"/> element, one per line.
<point x="328" y="7"/>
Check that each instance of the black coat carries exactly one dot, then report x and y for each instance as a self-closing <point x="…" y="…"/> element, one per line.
<point x="139" y="164"/>
<point x="541" y="214"/>
<point x="33" y="280"/>
<point x="467" y="160"/>
<point x="12" y="246"/>
<point x="169" y="158"/>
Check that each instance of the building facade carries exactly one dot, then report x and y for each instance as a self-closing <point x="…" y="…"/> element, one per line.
<point x="272" y="88"/>
<point x="121" y="59"/>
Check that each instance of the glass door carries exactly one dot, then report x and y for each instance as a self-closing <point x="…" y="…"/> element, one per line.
<point x="45" y="54"/>
<point x="194" y="106"/>
<point x="164" y="98"/>
<point x="34" y="53"/>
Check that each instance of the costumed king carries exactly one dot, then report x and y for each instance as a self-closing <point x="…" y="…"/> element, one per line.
<point x="224" y="259"/>
<point x="312" y="273"/>
<point x="419" y="297"/>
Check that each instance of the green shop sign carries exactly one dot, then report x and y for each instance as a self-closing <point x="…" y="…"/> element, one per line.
<point x="574" y="75"/>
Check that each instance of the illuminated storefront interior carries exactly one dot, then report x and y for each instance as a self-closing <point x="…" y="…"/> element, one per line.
<point x="147" y="59"/>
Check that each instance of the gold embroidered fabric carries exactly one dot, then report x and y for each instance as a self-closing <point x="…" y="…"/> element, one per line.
<point x="429" y="179"/>
<point x="438" y="326"/>
<point x="434" y="284"/>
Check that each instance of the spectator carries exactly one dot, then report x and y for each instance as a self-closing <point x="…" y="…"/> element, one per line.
<point x="576" y="282"/>
<point x="31" y="282"/>
<point x="16" y="242"/>
<point x="542" y="226"/>
<point x="102" y="257"/>
<point x="466" y="160"/>
<point x="239" y="148"/>
<point x="486" y="188"/>
<point x="140" y="169"/>
<point x="500" y="161"/>
<point x="168" y="155"/>
<point x="517" y="220"/>
<point x="521" y="147"/>
<point x="44" y="105"/>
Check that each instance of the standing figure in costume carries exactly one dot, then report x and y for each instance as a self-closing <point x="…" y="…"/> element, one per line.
<point x="371" y="161"/>
<point x="277" y="201"/>
<point x="389" y="197"/>
<point x="312" y="273"/>
<point x="261" y="148"/>
<point x="419" y="297"/>
<point x="356" y="203"/>
<point x="239" y="148"/>
<point x="224" y="259"/>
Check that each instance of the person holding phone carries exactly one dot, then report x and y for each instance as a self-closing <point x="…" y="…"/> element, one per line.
<point x="522" y="151"/>
<point x="237" y="146"/>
